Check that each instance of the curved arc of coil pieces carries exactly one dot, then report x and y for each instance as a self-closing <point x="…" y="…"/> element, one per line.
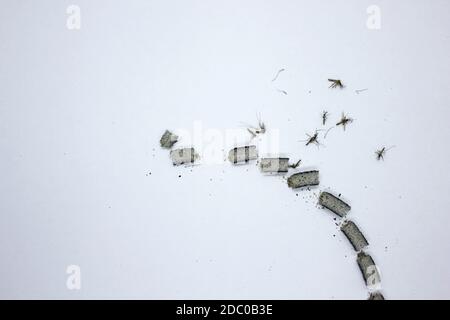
<point x="245" y="154"/>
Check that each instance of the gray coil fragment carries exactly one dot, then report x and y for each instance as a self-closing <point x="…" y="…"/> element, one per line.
<point x="274" y="165"/>
<point x="168" y="139"/>
<point x="376" y="296"/>
<point x="303" y="179"/>
<point x="183" y="156"/>
<point x="334" y="204"/>
<point x="242" y="154"/>
<point x="354" y="235"/>
<point x="369" y="270"/>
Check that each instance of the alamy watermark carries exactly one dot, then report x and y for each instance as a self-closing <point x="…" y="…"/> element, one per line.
<point x="73" y="21"/>
<point x="73" y="281"/>
<point x="374" y="17"/>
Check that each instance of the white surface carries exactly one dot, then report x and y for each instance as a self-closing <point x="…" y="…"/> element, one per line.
<point x="81" y="114"/>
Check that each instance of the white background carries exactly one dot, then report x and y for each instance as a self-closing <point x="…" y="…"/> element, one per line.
<point x="82" y="111"/>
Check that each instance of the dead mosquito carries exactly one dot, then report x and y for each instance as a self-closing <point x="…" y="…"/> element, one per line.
<point x="312" y="139"/>
<point x="344" y="121"/>
<point x="295" y="165"/>
<point x="260" y="129"/>
<point x="381" y="152"/>
<point x="324" y="117"/>
<point x="336" y="83"/>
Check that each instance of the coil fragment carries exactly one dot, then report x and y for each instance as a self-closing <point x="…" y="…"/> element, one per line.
<point x="303" y="179"/>
<point x="334" y="204"/>
<point x="183" y="156"/>
<point x="168" y="139"/>
<point x="354" y="235"/>
<point x="242" y="154"/>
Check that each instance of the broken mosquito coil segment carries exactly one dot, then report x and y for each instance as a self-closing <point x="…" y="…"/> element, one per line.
<point x="354" y="235"/>
<point x="368" y="269"/>
<point x="274" y="165"/>
<point x="242" y="154"/>
<point x="303" y="179"/>
<point x="168" y="139"/>
<point x="183" y="156"/>
<point x="334" y="204"/>
<point x="376" y="296"/>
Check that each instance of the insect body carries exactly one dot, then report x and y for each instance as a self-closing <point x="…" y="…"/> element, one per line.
<point x="335" y="83"/>
<point x="344" y="121"/>
<point x="324" y="117"/>
<point x="381" y="152"/>
<point x="295" y="165"/>
<point x="260" y="129"/>
<point x="312" y="139"/>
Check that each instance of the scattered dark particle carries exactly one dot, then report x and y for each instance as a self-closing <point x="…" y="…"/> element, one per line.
<point x="278" y="73"/>
<point x="334" y="235"/>
<point x="168" y="139"/>
<point x="296" y="194"/>
<point x="179" y="176"/>
<point x="339" y="195"/>
<point x="344" y="121"/>
<point x="335" y="83"/>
